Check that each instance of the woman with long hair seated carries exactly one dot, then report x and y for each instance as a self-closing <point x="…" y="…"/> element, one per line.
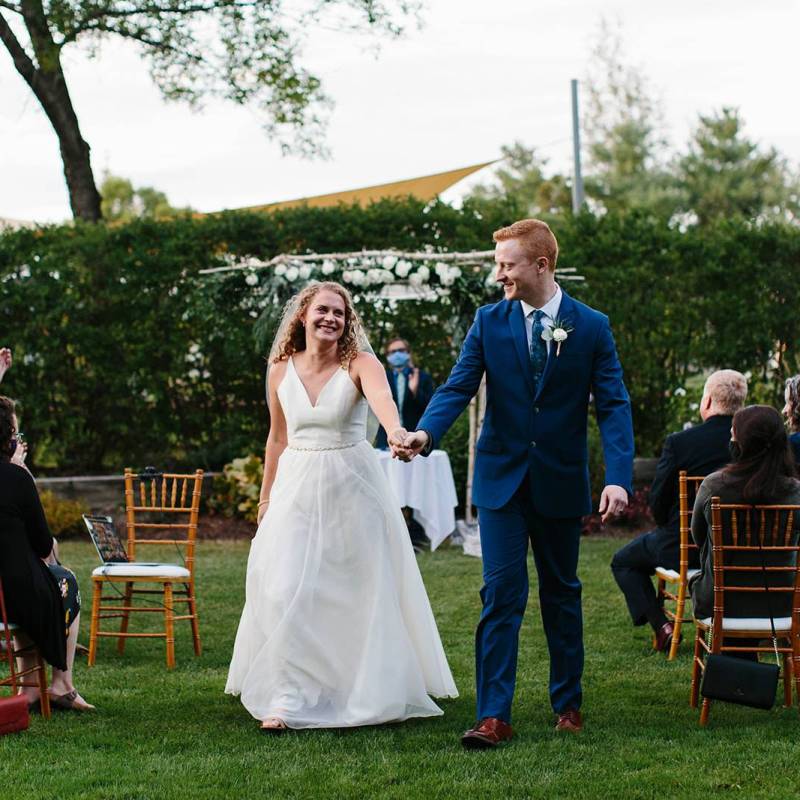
<point x="762" y="472"/>
<point x="791" y="410"/>
<point x="41" y="596"/>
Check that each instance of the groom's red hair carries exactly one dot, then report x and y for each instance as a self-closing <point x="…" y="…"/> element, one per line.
<point x="535" y="237"/>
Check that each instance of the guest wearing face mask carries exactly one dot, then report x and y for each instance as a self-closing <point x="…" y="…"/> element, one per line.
<point x="412" y="388"/>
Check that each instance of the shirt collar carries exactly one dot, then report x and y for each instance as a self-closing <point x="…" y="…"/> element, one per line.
<point x="549" y="309"/>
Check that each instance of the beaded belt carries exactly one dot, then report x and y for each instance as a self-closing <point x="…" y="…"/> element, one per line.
<point x="323" y="447"/>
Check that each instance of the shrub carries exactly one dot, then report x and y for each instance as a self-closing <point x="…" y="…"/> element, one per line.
<point x="63" y="516"/>
<point x="235" y="493"/>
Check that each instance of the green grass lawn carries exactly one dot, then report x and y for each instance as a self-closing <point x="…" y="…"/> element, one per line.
<point x="160" y="734"/>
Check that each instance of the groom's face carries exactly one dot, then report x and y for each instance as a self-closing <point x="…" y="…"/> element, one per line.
<point x="514" y="270"/>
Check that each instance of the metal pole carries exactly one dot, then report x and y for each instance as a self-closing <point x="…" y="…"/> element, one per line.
<point x="577" y="183"/>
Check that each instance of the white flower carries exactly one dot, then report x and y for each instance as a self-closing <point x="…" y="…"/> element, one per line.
<point x="389" y="262"/>
<point x="194" y="374"/>
<point x="547" y="333"/>
<point x="374" y="276"/>
<point x="559" y="334"/>
<point x="305" y="272"/>
<point x="251" y="279"/>
<point x="328" y="266"/>
<point x="402" y="268"/>
<point x="292" y="274"/>
<point x="441" y="268"/>
<point x="358" y="278"/>
<point x="415" y="279"/>
<point x="454" y="273"/>
<point x="280" y="270"/>
<point x="347" y="276"/>
<point x="680" y="392"/>
<point x="424" y="273"/>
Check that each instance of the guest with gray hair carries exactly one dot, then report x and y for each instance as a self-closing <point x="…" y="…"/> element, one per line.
<point x="699" y="450"/>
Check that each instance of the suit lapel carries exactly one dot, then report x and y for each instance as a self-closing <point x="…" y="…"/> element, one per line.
<point x="566" y="313"/>
<point x="516" y="320"/>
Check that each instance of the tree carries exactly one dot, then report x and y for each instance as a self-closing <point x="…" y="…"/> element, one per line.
<point x="245" y="51"/>
<point x="522" y="180"/>
<point x="122" y="202"/>
<point x="726" y="175"/>
<point x="624" y="125"/>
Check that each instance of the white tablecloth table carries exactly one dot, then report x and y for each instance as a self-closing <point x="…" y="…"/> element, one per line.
<point x="426" y="486"/>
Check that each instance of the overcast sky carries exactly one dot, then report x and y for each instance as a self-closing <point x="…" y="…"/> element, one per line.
<point x="476" y="76"/>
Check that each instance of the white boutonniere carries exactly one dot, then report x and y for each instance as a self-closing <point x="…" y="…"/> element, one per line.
<point x="557" y="330"/>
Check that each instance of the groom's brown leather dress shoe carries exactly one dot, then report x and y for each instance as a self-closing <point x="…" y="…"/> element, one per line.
<point x="487" y="733"/>
<point x="664" y="637"/>
<point x="570" y="721"/>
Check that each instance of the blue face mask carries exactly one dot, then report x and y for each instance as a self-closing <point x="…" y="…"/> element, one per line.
<point x="399" y="359"/>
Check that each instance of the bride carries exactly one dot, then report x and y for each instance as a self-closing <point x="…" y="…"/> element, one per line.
<point x="336" y="629"/>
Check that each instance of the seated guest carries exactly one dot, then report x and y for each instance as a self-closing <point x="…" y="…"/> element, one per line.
<point x="762" y="472"/>
<point x="5" y="361"/>
<point x="41" y="596"/>
<point x="792" y="413"/>
<point x="698" y="450"/>
<point x="412" y="388"/>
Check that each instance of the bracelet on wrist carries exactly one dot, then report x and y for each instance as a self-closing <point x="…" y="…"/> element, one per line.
<point x="263" y="503"/>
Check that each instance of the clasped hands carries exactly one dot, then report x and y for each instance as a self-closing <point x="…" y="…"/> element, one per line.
<point x="406" y="445"/>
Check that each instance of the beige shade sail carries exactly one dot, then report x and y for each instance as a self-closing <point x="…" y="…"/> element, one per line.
<point x="425" y="188"/>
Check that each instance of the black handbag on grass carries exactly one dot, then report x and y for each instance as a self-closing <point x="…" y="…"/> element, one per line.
<point x="735" y="680"/>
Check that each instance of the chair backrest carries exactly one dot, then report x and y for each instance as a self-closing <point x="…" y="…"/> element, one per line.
<point x="742" y="535"/>
<point x="170" y="502"/>
<point x="687" y="491"/>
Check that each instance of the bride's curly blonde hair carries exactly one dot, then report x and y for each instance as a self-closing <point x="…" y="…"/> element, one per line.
<point x="294" y="338"/>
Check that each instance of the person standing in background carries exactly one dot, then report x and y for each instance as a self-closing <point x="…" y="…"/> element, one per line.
<point x="412" y="389"/>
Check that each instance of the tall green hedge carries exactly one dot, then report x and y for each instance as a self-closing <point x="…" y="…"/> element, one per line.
<point x="125" y="355"/>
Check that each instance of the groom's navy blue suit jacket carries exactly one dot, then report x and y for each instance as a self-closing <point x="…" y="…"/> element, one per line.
<point x="541" y="431"/>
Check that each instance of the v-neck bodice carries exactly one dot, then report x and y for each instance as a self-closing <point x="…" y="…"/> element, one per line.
<point x="338" y="419"/>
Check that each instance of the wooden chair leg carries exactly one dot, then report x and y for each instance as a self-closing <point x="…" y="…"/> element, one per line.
<point x="695" y="692"/>
<point x="169" y="625"/>
<point x="123" y="625"/>
<point x="787" y="681"/>
<point x="676" y="635"/>
<point x="44" y="695"/>
<point x="796" y="667"/>
<point x="704" y="711"/>
<point x="198" y="648"/>
<point x="12" y="665"/>
<point x="97" y="592"/>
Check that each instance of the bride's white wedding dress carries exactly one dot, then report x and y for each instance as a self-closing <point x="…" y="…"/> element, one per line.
<point x="337" y="629"/>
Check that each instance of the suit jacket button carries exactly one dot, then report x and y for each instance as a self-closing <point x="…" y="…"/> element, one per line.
<point x="536" y="409"/>
<point x="533" y="444"/>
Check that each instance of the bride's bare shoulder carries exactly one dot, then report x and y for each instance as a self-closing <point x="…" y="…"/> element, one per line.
<point x="277" y="372"/>
<point x="364" y="361"/>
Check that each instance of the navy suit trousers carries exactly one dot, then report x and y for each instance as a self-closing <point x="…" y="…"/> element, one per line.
<point x="505" y="534"/>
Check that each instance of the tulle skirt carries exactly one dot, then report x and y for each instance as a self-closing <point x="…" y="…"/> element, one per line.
<point x="337" y="629"/>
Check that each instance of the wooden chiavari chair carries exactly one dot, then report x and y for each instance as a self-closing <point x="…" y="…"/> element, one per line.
<point x="736" y="530"/>
<point x="672" y="586"/>
<point x="149" y="499"/>
<point x="13" y="650"/>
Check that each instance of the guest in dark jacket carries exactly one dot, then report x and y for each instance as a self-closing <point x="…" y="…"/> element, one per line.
<point x="762" y="472"/>
<point x="698" y="450"/>
<point x="41" y="596"/>
<point x="412" y="388"/>
<point x="792" y="413"/>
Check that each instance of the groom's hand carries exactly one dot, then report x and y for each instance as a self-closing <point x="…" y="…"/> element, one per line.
<point x="413" y="445"/>
<point x="613" y="501"/>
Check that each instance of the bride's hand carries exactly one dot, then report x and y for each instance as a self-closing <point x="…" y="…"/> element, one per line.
<point x="262" y="509"/>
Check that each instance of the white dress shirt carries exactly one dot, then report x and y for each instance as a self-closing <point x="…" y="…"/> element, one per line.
<point x="549" y="309"/>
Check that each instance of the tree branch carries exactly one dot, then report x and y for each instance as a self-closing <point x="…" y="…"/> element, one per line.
<point x="22" y="61"/>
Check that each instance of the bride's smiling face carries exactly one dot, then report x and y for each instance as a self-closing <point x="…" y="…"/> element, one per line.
<point x="324" y="320"/>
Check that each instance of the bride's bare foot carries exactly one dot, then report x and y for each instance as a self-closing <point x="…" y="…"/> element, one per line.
<point x="274" y="725"/>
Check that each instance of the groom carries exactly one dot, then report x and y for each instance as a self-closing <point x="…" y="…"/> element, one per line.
<point x="544" y="355"/>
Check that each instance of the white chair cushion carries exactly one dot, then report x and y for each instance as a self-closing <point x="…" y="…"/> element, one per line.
<point x="133" y="569"/>
<point x="751" y="623"/>
<point x="672" y="575"/>
<point x="11" y="627"/>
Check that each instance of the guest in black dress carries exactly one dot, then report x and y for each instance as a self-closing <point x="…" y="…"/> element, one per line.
<point x="41" y="595"/>
<point x="792" y="413"/>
